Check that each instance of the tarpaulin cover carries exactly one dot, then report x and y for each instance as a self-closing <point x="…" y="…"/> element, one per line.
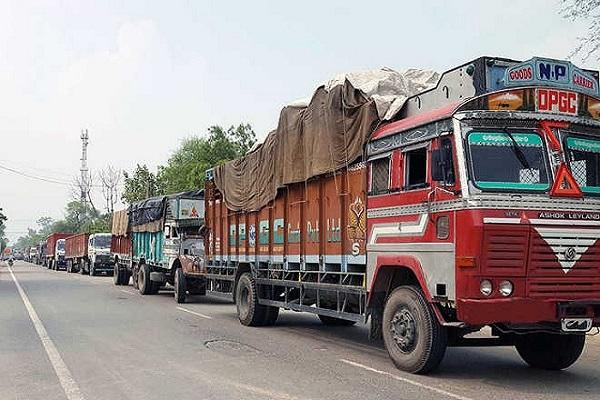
<point x="148" y="215"/>
<point x="120" y="222"/>
<point x="319" y="136"/>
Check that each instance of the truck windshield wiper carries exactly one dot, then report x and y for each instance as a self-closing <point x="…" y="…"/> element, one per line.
<point x="517" y="150"/>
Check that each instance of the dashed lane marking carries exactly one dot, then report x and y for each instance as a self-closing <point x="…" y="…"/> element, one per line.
<point x="65" y="378"/>
<point x="194" y="313"/>
<point x="406" y="380"/>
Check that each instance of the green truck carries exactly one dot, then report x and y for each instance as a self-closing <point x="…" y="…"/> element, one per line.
<point x="167" y="243"/>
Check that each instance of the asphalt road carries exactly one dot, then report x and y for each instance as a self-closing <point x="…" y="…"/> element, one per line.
<point x="67" y="336"/>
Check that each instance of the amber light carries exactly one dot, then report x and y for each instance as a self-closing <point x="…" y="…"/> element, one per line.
<point x="466" y="262"/>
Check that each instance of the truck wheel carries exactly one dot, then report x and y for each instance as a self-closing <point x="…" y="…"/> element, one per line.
<point x="271" y="315"/>
<point x="550" y="351"/>
<point x="135" y="276"/>
<point x="196" y="287"/>
<point x="145" y="285"/>
<point x="117" y="276"/>
<point x="250" y="313"/>
<point x="81" y="267"/>
<point x="126" y="276"/>
<point x="333" y="321"/>
<point x="413" y="337"/>
<point x="180" y="286"/>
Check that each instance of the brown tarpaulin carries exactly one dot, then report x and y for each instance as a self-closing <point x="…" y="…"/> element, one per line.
<point x="325" y="136"/>
<point x="120" y="222"/>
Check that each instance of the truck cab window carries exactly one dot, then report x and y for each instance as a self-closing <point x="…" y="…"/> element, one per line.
<point x="380" y="175"/>
<point x="415" y="168"/>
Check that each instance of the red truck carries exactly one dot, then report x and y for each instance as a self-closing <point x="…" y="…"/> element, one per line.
<point x="476" y="205"/>
<point x="55" y="253"/>
<point x="76" y="251"/>
<point x="120" y="248"/>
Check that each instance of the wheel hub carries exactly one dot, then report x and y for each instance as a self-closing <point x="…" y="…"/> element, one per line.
<point x="403" y="329"/>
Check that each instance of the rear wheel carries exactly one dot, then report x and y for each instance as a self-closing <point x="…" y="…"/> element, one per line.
<point x="333" y="321"/>
<point x="250" y="313"/>
<point x="117" y="276"/>
<point x="145" y="285"/>
<point x="180" y="286"/>
<point x="550" y="351"/>
<point x="413" y="337"/>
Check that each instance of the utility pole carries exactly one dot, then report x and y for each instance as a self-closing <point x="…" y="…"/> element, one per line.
<point x="84" y="167"/>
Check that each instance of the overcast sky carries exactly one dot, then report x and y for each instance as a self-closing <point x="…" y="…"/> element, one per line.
<point x="142" y="75"/>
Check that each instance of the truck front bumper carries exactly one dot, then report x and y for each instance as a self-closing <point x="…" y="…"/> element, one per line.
<point x="525" y="310"/>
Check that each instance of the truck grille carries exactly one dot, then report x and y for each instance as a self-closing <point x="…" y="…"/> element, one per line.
<point x="558" y="261"/>
<point x="560" y="251"/>
<point x="567" y="288"/>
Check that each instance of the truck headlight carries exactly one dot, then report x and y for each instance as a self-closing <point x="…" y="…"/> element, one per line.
<point x="506" y="288"/>
<point x="486" y="287"/>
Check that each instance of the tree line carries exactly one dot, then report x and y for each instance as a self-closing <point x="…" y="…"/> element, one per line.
<point x="183" y="171"/>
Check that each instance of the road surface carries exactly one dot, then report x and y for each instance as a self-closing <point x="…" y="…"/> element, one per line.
<point x="68" y="336"/>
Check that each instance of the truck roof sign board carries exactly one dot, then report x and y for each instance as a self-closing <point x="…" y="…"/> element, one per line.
<point x="190" y="209"/>
<point x="547" y="72"/>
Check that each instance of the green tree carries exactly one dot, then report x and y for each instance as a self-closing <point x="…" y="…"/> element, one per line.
<point x="140" y="185"/>
<point x="186" y="167"/>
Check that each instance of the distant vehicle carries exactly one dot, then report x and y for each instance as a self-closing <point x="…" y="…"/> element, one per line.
<point x="167" y="245"/>
<point x="42" y="250"/>
<point x="33" y="255"/>
<point x="88" y="254"/>
<point x="55" y="245"/>
<point x="120" y="247"/>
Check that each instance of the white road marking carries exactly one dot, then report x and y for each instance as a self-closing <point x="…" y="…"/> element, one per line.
<point x="406" y="380"/>
<point x="127" y="291"/>
<point x="194" y="312"/>
<point x="67" y="382"/>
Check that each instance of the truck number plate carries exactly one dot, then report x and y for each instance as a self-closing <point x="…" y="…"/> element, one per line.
<point x="576" y="324"/>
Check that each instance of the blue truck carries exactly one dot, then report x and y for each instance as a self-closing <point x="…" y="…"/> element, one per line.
<point x="167" y="244"/>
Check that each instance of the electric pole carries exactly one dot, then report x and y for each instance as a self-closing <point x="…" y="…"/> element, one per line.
<point x="84" y="168"/>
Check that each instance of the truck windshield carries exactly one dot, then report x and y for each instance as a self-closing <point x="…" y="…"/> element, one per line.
<point x="584" y="160"/>
<point x="102" y="241"/>
<point x="506" y="160"/>
<point x="60" y="244"/>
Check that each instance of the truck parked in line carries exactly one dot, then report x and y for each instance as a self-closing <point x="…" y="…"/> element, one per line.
<point x="89" y="253"/>
<point x="167" y="244"/>
<point x="120" y="247"/>
<point x="55" y="250"/>
<point x="33" y="255"/>
<point x="42" y="250"/>
<point x="476" y="205"/>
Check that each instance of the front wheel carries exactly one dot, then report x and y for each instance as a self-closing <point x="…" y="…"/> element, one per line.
<point x="413" y="336"/>
<point x="550" y="351"/>
<point x="145" y="285"/>
<point x="180" y="286"/>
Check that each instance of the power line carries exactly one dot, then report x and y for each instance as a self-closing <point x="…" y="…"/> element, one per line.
<point x="39" y="178"/>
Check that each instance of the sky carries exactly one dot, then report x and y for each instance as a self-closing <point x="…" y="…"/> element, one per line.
<point x="143" y="75"/>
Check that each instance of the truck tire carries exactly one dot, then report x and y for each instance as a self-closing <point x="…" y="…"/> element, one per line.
<point x="118" y="276"/>
<point x="81" y="265"/>
<point x="196" y="287"/>
<point x="180" y="286"/>
<point x="250" y="313"/>
<point x="333" y="321"/>
<point x="271" y="316"/>
<point x="126" y="276"/>
<point x="135" y="276"/>
<point x="415" y="340"/>
<point x="145" y="285"/>
<point x="550" y="351"/>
